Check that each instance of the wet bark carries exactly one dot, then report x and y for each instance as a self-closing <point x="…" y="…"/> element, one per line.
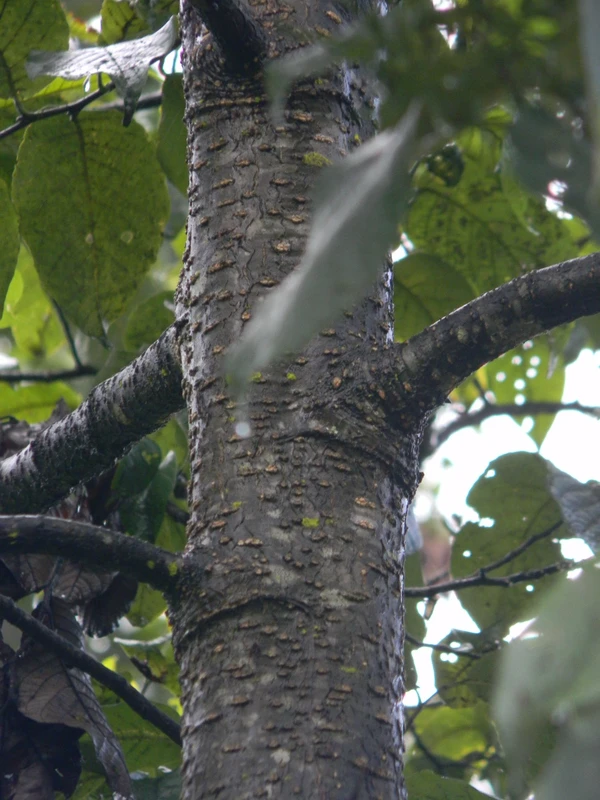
<point x="291" y="650"/>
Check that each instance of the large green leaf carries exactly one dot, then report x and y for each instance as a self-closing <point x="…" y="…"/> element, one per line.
<point x="10" y="241"/>
<point x="514" y="503"/>
<point x="92" y="244"/>
<point x="472" y="224"/>
<point x="425" y="289"/>
<point x="355" y="224"/>
<point x="548" y="689"/>
<point x="172" y="135"/>
<point x="25" y="25"/>
<point x="142" y="515"/>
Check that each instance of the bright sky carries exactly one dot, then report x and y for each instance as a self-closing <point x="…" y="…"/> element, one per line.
<point x="572" y="444"/>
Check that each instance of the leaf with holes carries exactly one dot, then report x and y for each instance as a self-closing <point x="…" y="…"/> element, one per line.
<point x="92" y="241"/>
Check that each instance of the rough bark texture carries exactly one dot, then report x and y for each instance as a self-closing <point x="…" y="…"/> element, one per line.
<point x="291" y="650"/>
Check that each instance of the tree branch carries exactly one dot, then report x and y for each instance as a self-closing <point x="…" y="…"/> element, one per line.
<point x="91" y="545"/>
<point x="118" y="412"/>
<point x="73" y="656"/>
<point x="424" y="370"/>
<point x="531" y="409"/>
<point x="441" y="648"/>
<point x="481" y="578"/>
<point x="47" y="377"/>
<point x="239" y="36"/>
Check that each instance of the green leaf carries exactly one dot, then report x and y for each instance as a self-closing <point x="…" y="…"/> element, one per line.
<point x="136" y="469"/>
<point x="514" y="502"/>
<point x="548" y="688"/>
<point x="455" y="733"/>
<point x="148" y="320"/>
<point x="472" y="224"/>
<point x="35" y="403"/>
<point x="425" y="289"/>
<point x="355" y="224"/>
<point x="144" y="746"/>
<point x="120" y="21"/>
<point x="27" y="24"/>
<point x="429" y="786"/>
<point x="464" y="679"/>
<point x="163" y="787"/>
<point x="142" y="515"/>
<point x="126" y="63"/>
<point x="10" y="241"/>
<point x="157" y="657"/>
<point x="92" y="244"/>
<point x="147" y="606"/>
<point x="172" y="135"/>
<point x="528" y="374"/>
<point x="29" y="314"/>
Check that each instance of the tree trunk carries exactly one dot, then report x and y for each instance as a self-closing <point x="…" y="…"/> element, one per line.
<point x="291" y="649"/>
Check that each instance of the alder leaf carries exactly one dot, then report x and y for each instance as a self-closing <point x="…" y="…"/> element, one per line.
<point x="126" y="63"/>
<point x="358" y="207"/>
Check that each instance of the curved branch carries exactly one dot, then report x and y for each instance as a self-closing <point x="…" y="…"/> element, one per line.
<point x="531" y="409"/>
<point x="91" y="545"/>
<point x="75" y="657"/>
<point x="239" y="36"/>
<point x="118" y="412"/>
<point x="426" y="368"/>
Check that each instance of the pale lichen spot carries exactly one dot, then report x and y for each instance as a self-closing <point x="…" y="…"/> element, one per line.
<point x="462" y="335"/>
<point x="281" y="756"/>
<point x="127" y="237"/>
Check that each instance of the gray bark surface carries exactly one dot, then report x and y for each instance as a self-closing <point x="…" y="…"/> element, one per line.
<point x="290" y="651"/>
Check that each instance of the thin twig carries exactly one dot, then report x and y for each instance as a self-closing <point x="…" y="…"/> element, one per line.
<point x="482" y="579"/>
<point x="512" y="554"/>
<point x="531" y="409"/>
<point x="441" y="648"/>
<point x="75" y="657"/>
<point x="47" y="377"/>
<point x="67" y="329"/>
<point x="28" y="117"/>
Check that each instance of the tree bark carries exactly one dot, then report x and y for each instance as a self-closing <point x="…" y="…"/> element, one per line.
<point x="291" y="650"/>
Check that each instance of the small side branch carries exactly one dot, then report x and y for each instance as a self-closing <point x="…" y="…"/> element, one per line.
<point x="91" y="546"/>
<point x="74" y="657"/>
<point x="118" y="412"/>
<point x="423" y="371"/>
<point x="481" y="578"/>
<point x="532" y="409"/>
<point x="239" y="36"/>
